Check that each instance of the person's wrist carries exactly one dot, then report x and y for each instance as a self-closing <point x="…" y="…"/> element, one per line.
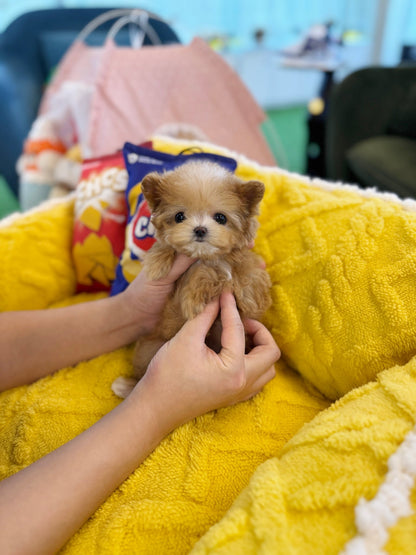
<point x="148" y="408"/>
<point x="125" y="310"/>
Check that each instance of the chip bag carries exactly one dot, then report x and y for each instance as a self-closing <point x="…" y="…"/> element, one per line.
<point x="100" y="221"/>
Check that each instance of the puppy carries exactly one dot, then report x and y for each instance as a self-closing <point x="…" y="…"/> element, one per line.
<point x="201" y="210"/>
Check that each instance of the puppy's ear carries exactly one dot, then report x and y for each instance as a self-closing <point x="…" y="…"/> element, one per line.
<point x="251" y="192"/>
<point x="152" y="186"/>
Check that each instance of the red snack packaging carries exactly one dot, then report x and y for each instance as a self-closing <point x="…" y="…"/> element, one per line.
<point x="100" y="221"/>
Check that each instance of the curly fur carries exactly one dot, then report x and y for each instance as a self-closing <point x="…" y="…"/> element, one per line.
<point x="219" y="221"/>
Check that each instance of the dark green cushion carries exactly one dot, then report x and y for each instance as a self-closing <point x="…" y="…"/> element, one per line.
<point x="386" y="162"/>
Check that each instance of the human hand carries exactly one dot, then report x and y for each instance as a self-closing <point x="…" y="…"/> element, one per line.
<point x="186" y="379"/>
<point x="262" y="263"/>
<point x="146" y="298"/>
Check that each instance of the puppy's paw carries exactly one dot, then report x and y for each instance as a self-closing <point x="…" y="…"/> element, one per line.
<point x="202" y="287"/>
<point x="122" y="387"/>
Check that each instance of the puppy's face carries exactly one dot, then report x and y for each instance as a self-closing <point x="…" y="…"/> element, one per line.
<point x="202" y="210"/>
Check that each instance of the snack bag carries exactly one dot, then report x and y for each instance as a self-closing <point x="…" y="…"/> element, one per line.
<point x="100" y="218"/>
<point x="100" y="221"/>
<point x="139" y="235"/>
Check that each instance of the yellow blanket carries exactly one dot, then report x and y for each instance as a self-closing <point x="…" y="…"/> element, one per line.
<point x="342" y="265"/>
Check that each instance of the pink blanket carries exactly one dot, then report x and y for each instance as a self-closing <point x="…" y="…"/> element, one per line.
<point x="135" y="91"/>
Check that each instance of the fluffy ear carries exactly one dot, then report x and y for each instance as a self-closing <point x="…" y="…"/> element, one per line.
<point x="152" y="189"/>
<point x="251" y="192"/>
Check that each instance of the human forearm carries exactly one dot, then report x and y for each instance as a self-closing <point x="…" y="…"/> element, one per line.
<point x="36" y="343"/>
<point x="42" y="506"/>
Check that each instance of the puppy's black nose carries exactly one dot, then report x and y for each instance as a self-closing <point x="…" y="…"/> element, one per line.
<point x="200" y="232"/>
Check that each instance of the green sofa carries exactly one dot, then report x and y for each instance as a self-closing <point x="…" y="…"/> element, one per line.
<point x="371" y="130"/>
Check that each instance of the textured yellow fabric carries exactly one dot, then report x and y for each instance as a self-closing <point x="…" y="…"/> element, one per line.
<point x="36" y="266"/>
<point x="402" y="537"/>
<point x="303" y="503"/>
<point x="343" y="269"/>
<point x="343" y="272"/>
<point x="192" y="478"/>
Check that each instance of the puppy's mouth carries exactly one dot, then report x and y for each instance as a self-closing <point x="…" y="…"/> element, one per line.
<point x="199" y="243"/>
<point x="200" y="247"/>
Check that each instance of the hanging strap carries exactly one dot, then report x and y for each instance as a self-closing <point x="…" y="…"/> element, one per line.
<point x="123" y="14"/>
<point x="143" y="27"/>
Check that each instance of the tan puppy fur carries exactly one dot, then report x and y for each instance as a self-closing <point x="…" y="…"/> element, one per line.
<point x="201" y="210"/>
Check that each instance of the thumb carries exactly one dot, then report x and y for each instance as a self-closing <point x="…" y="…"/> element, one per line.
<point x="233" y="337"/>
<point x="179" y="266"/>
<point x="199" y="326"/>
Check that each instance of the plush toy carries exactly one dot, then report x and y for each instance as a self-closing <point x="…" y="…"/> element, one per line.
<point x="42" y="151"/>
<point x="67" y="172"/>
<point x="55" y="146"/>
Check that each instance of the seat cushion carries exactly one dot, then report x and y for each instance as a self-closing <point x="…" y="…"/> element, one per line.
<point x="386" y="162"/>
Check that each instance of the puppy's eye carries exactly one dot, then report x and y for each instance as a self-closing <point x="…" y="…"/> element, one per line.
<point x="220" y="218"/>
<point x="179" y="217"/>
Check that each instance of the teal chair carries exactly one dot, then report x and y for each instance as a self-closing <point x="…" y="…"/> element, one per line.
<point x="30" y="48"/>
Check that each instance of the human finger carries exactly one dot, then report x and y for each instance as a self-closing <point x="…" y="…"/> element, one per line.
<point x="179" y="266"/>
<point x="259" y="333"/>
<point x="262" y="263"/>
<point x="259" y="384"/>
<point x="264" y="353"/>
<point x="199" y="326"/>
<point x="263" y="379"/>
<point x="232" y="336"/>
